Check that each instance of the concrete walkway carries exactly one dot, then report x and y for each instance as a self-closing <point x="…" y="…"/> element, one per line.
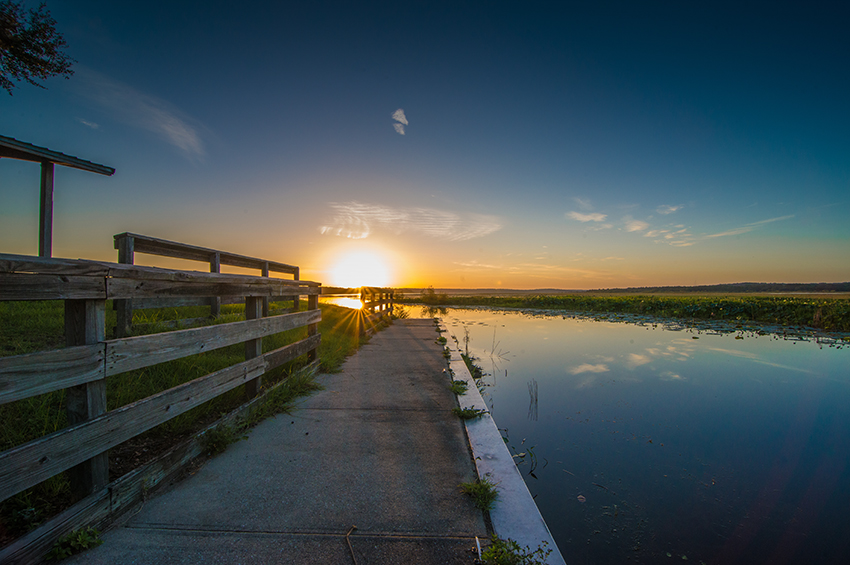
<point x="379" y="449"/>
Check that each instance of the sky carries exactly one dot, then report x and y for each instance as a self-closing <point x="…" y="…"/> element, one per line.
<point x="570" y="145"/>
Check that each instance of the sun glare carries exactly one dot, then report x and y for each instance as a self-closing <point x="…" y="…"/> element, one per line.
<point x="360" y="268"/>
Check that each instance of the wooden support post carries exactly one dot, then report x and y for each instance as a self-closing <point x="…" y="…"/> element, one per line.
<point x="85" y="322"/>
<point x="265" y="298"/>
<point x="45" y="222"/>
<point x="124" y="307"/>
<point x="312" y="329"/>
<point x="253" y="347"/>
<point x="215" y="301"/>
<point x="296" y="299"/>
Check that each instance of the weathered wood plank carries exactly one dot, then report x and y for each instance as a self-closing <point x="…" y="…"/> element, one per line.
<point x="292" y="351"/>
<point x="151" y="303"/>
<point x="124" y="308"/>
<point x="18" y="286"/>
<point x="143" y="351"/>
<point x="85" y="322"/>
<point x="27" y="465"/>
<point x="45" y="221"/>
<point x="253" y="347"/>
<point x="11" y="263"/>
<point x="23" y="376"/>
<point x="137" y="288"/>
<point x="165" y="248"/>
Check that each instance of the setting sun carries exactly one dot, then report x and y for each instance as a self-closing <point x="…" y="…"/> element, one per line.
<point x="360" y="268"/>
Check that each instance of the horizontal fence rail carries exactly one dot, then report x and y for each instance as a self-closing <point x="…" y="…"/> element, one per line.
<point x="81" y="368"/>
<point x="128" y="244"/>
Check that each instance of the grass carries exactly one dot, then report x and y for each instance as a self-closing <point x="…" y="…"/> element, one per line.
<point x="459" y="387"/>
<point x="468" y="413"/>
<point x="482" y="492"/>
<point x="34" y="326"/>
<point x="830" y="314"/>
<point x="508" y="552"/>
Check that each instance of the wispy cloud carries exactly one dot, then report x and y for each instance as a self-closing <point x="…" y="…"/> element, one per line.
<point x="593" y="217"/>
<point x="583" y="203"/>
<point x="664" y="210"/>
<point x="636" y="225"/>
<point x="87" y="123"/>
<point x="357" y="220"/>
<point x="749" y="227"/>
<point x="588" y="368"/>
<point x="141" y="110"/>
<point x="401" y="121"/>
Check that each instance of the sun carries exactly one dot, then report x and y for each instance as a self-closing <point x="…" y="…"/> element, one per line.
<point x="360" y="268"/>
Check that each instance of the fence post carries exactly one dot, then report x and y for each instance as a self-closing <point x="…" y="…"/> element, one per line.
<point x="45" y="224"/>
<point x="313" y="329"/>
<point x="296" y="299"/>
<point x="124" y="307"/>
<point x="85" y="322"/>
<point x="215" y="301"/>
<point x="253" y="347"/>
<point x="266" y="298"/>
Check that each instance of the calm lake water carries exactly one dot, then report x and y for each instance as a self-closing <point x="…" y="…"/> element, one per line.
<point x="647" y="445"/>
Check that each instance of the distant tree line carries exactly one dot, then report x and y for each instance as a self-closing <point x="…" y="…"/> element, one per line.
<point x="735" y="288"/>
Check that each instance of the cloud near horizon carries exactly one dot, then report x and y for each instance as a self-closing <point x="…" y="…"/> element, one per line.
<point x="140" y="110"/>
<point x="356" y="220"/>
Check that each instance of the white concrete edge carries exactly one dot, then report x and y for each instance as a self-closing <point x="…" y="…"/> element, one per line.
<point x="514" y="514"/>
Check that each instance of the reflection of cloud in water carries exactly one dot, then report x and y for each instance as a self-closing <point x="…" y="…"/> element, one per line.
<point x="670" y="376"/>
<point x="586" y="382"/>
<point x="588" y="368"/>
<point x="757" y="359"/>
<point x="636" y="360"/>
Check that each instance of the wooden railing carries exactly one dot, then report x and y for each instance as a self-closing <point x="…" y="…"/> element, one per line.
<point x="81" y="368"/>
<point x="128" y="244"/>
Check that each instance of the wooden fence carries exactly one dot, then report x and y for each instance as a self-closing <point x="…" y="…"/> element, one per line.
<point x="377" y="306"/>
<point x="81" y="368"/>
<point x="128" y="244"/>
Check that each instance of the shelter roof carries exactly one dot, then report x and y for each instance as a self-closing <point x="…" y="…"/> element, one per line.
<point x="14" y="149"/>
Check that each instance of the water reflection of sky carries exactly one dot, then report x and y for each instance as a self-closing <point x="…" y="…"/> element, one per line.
<point x="721" y="448"/>
<point x="347" y="300"/>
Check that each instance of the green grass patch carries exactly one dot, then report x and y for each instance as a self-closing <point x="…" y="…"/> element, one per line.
<point x="482" y="492"/>
<point x="509" y="552"/>
<point x="75" y="542"/>
<point x="468" y="413"/>
<point x="459" y="387"/>
<point x="830" y="314"/>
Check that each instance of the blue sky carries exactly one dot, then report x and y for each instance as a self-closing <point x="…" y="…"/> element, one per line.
<point x="461" y="144"/>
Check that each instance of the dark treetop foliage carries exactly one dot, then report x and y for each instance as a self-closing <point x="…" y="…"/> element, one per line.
<point x="30" y="46"/>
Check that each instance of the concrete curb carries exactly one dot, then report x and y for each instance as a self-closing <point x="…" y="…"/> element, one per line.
<point x="515" y="514"/>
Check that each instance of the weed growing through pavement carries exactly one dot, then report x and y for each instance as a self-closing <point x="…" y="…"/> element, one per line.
<point x="508" y="552"/>
<point x="216" y="440"/>
<point x="459" y="387"/>
<point x="482" y="492"/>
<point x="75" y="542"/>
<point x="468" y="413"/>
